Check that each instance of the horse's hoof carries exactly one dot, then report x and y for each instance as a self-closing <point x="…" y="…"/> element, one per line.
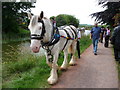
<point x="63" y="69"/>
<point x="52" y="81"/>
<point x="72" y="64"/>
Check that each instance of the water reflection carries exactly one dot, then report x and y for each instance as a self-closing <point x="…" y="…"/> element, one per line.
<point x="12" y="51"/>
<point x="87" y="32"/>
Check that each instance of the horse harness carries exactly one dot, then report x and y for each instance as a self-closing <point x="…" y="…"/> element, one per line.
<point x="54" y="39"/>
<point x="39" y="37"/>
<point x="68" y="36"/>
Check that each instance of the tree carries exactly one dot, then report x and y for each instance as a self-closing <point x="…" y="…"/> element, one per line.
<point x="116" y="18"/>
<point x="64" y="19"/>
<point x="13" y="14"/>
<point x="107" y="16"/>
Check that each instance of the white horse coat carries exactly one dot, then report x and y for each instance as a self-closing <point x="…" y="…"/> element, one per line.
<point x="36" y="29"/>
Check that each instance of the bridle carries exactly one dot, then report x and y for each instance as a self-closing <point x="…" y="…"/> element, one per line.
<point x="39" y="37"/>
<point x="53" y="40"/>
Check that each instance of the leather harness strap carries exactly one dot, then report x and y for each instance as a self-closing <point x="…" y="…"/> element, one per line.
<point x="39" y="37"/>
<point x="74" y="32"/>
<point x="66" y="39"/>
<point x="71" y="32"/>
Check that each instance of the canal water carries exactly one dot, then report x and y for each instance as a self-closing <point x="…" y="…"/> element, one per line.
<point x="11" y="51"/>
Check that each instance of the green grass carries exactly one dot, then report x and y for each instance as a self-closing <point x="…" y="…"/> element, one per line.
<point x="31" y="71"/>
<point x="118" y="67"/>
<point x="14" y="37"/>
<point x="26" y="73"/>
<point x="85" y="42"/>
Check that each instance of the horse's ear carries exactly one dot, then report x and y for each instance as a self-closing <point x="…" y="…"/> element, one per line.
<point x="41" y="15"/>
<point x="29" y="15"/>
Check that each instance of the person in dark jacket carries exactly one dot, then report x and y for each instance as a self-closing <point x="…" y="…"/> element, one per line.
<point x="107" y="37"/>
<point x="115" y="40"/>
<point x="78" y="41"/>
<point x="102" y="33"/>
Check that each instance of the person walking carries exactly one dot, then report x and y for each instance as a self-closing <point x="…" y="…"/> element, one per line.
<point x="115" y="40"/>
<point x="102" y="33"/>
<point x="95" y="35"/>
<point x="53" y="20"/>
<point x="107" y="37"/>
<point x="78" y="41"/>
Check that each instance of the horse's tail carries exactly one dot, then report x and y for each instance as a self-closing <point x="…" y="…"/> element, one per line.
<point x="72" y="48"/>
<point x="75" y="45"/>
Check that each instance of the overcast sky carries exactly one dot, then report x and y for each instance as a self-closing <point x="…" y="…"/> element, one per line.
<point x="81" y="9"/>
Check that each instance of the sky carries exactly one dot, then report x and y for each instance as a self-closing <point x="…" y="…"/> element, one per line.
<point x="81" y="9"/>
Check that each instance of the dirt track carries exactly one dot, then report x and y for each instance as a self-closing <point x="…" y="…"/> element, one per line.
<point x="91" y="71"/>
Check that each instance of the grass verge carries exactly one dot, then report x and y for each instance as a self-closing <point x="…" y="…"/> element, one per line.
<point x="31" y="71"/>
<point x="14" y="37"/>
<point x="118" y="67"/>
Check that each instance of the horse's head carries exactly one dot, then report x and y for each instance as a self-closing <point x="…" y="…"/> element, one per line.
<point x="37" y="30"/>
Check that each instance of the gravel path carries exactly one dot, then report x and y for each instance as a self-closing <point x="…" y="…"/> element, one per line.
<point x="91" y="71"/>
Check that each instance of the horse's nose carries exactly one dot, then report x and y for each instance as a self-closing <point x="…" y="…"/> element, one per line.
<point x="35" y="49"/>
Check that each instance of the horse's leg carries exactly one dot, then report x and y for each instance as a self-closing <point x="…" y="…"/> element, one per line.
<point x="53" y="75"/>
<point x="65" y="62"/>
<point x="73" y="61"/>
<point x="47" y="60"/>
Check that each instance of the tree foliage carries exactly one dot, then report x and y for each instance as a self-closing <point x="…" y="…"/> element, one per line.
<point x="117" y="18"/>
<point x="107" y="16"/>
<point x="13" y="15"/>
<point x="64" y="19"/>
